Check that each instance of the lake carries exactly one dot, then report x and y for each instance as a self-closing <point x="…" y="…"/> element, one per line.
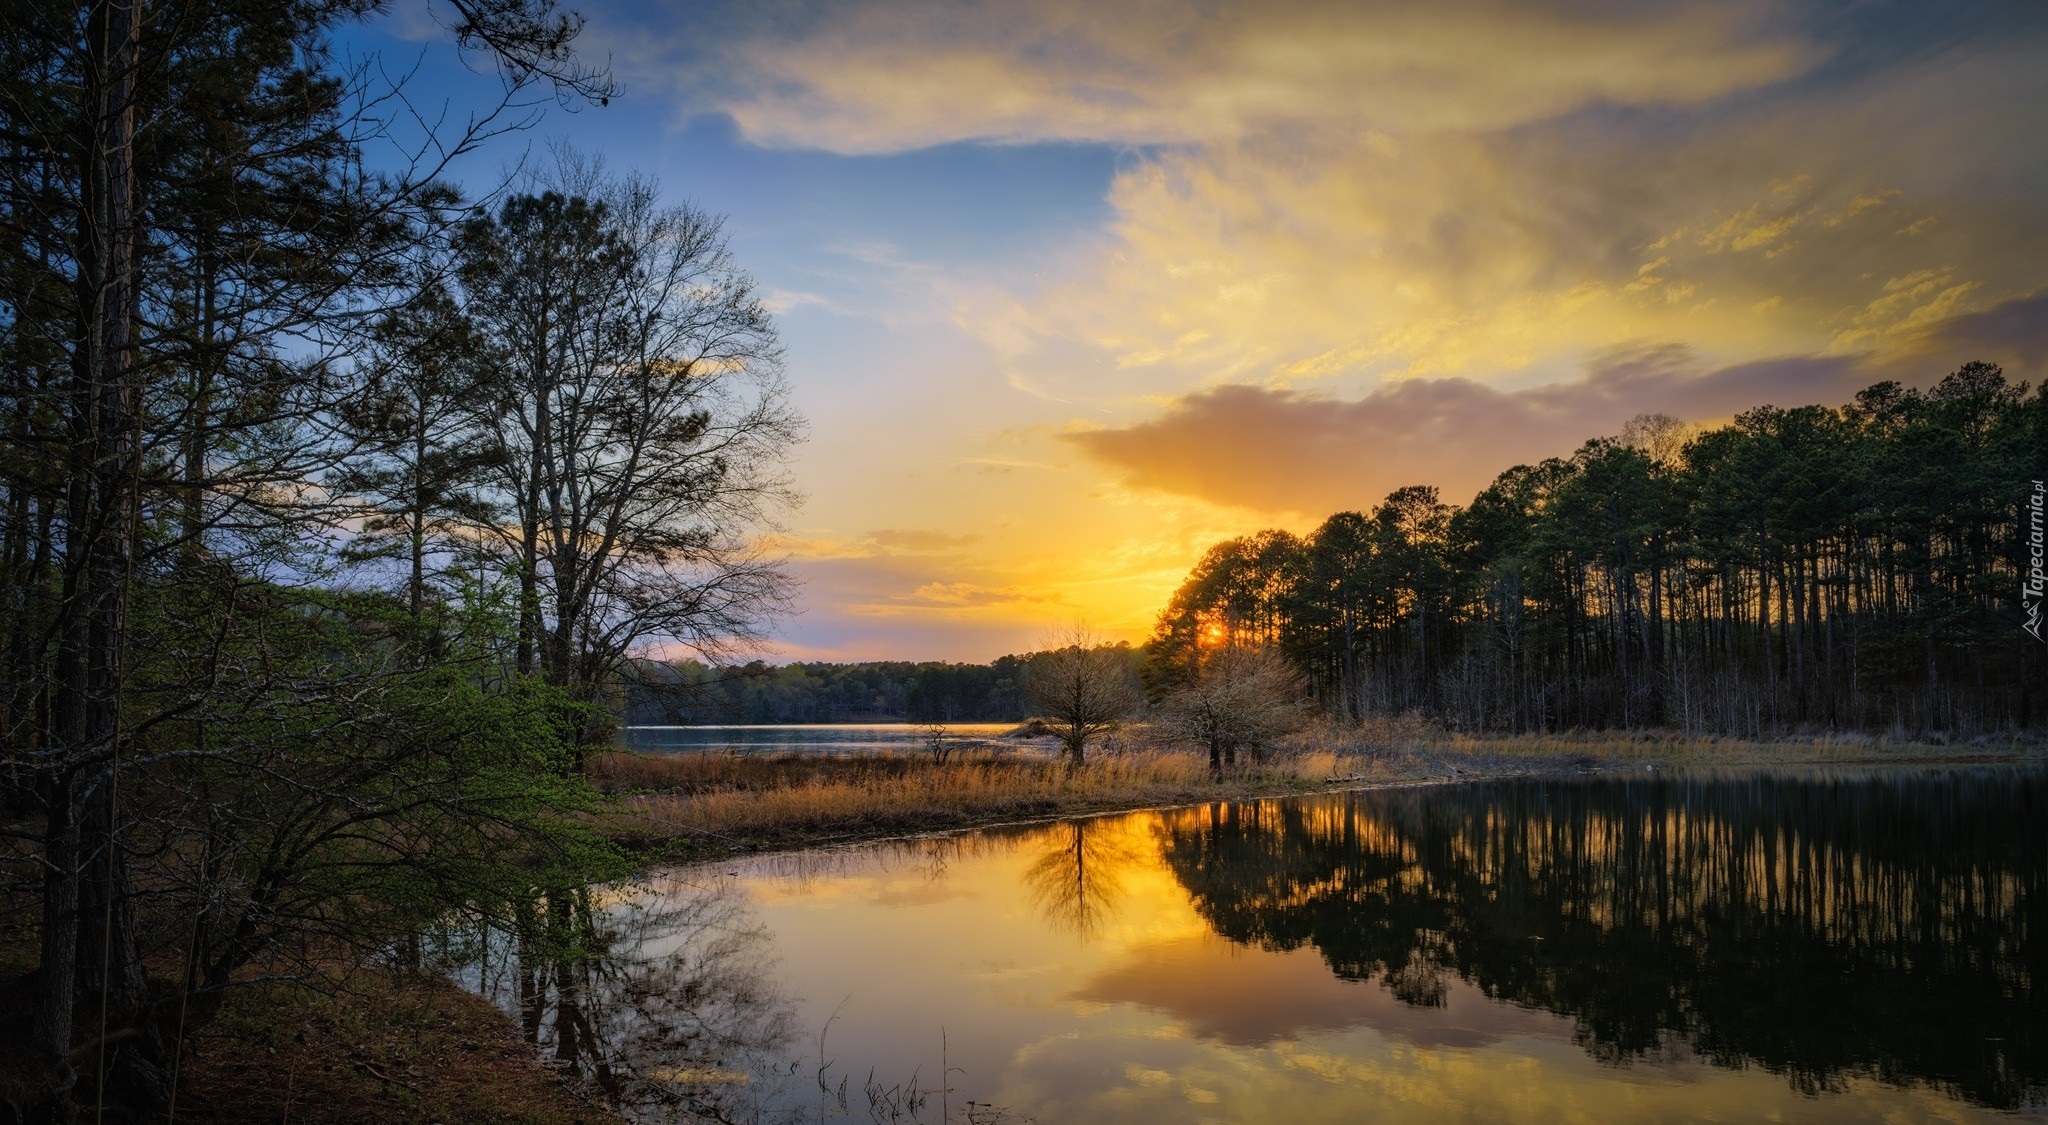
<point x="818" y="738"/>
<point x="1793" y="946"/>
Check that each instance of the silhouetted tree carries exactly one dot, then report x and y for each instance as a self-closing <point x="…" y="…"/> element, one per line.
<point x="1086" y="688"/>
<point x="1241" y="699"/>
<point x="1799" y="566"/>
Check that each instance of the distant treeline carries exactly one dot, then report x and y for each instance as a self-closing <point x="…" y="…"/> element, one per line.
<point x="688" y="693"/>
<point x="1858" y="567"/>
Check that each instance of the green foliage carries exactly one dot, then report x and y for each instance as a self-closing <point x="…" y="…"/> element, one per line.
<point x="349" y="791"/>
<point x="192" y="747"/>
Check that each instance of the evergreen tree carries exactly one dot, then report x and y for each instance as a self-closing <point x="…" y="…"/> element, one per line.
<point x="1799" y="567"/>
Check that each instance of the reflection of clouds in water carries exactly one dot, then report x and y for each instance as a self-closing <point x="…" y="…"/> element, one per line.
<point x="1219" y="990"/>
<point x="1079" y="873"/>
<point x="906" y="872"/>
<point x="917" y="894"/>
<point x="1114" y="1079"/>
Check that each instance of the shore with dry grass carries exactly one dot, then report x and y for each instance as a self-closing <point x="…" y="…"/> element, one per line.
<point x="681" y="806"/>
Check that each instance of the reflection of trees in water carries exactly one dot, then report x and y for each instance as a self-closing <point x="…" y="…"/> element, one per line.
<point x="1076" y="880"/>
<point x="1890" y="926"/>
<point x="657" y="996"/>
<point x="1078" y="877"/>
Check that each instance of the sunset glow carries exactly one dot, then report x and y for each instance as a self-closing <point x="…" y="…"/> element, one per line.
<point x="1071" y="291"/>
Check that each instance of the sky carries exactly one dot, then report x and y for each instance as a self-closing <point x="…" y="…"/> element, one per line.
<point x="1070" y="291"/>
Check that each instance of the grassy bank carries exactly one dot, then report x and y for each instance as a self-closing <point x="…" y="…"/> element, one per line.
<point x="789" y="801"/>
<point x="685" y="804"/>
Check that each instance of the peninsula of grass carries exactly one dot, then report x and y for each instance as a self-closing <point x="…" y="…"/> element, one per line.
<point x="685" y="805"/>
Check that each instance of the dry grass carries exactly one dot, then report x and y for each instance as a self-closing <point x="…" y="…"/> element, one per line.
<point x="1417" y="744"/>
<point x="717" y="800"/>
<point x="622" y="771"/>
<point x="796" y="798"/>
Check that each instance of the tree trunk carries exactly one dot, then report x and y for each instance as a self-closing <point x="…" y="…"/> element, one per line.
<point x="89" y="956"/>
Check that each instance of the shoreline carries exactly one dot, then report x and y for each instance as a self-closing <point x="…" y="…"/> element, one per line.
<point x="398" y="1048"/>
<point x="671" y="839"/>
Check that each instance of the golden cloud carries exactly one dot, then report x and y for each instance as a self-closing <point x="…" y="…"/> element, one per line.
<point x="1284" y="451"/>
<point x="915" y="540"/>
<point x="893" y="77"/>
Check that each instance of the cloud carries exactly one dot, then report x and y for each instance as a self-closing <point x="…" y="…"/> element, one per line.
<point x="915" y="540"/>
<point x="892" y="77"/>
<point x="1279" y="450"/>
<point x="1352" y="192"/>
<point x="963" y="595"/>
<point x="1519" y="253"/>
<point x="782" y="302"/>
<point x="915" y="585"/>
<point x="2013" y="334"/>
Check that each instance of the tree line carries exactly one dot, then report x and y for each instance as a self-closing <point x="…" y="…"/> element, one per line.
<point x="689" y="692"/>
<point x="332" y="503"/>
<point x="1008" y="689"/>
<point x="1853" y="567"/>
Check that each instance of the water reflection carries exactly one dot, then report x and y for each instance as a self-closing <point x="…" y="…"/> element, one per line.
<point x="1879" y="926"/>
<point x="656" y="998"/>
<point x="1803" y="947"/>
<point x="1077" y="880"/>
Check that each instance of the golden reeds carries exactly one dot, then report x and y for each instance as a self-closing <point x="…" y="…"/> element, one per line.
<point x="793" y="797"/>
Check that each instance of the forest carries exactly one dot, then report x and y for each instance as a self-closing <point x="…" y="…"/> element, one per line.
<point x="1809" y="568"/>
<point x="332" y="500"/>
<point x="689" y="692"/>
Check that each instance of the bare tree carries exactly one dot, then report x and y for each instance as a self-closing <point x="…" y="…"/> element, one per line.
<point x="1660" y="437"/>
<point x="1242" y="698"/>
<point x="937" y="741"/>
<point x="1085" y="687"/>
<point x="640" y="422"/>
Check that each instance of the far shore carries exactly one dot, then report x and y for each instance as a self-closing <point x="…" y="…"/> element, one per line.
<point x="698" y="805"/>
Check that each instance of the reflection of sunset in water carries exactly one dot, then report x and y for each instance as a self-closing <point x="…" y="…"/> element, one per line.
<point x="1798" y="948"/>
<point x="1219" y="990"/>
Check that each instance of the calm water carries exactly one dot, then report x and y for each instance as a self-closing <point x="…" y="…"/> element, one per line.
<point x="838" y="738"/>
<point x="1792" y="947"/>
